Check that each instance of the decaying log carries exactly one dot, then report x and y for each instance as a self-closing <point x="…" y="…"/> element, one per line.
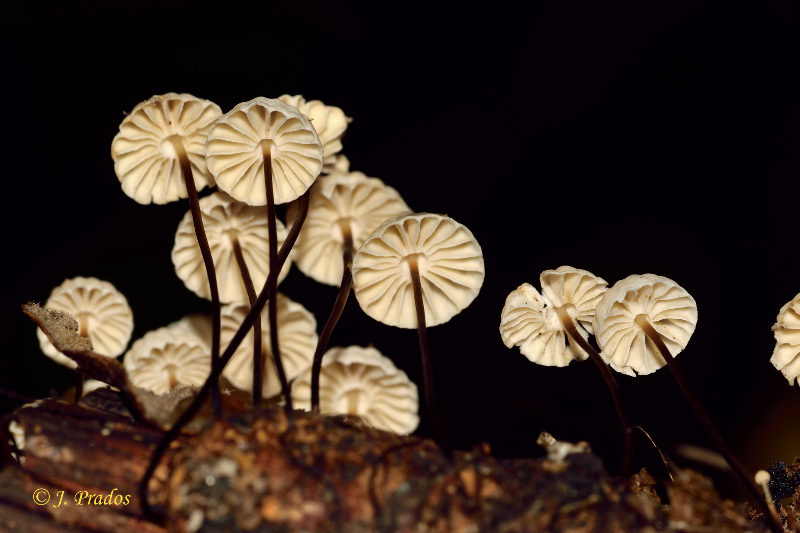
<point x="325" y="474"/>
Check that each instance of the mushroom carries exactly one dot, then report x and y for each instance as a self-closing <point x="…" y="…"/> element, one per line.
<point x="197" y="324"/>
<point x="363" y="382"/>
<point x="639" y="323"/>
<point x="786" y="356"/>
<point x="330" y="123"/>
<point x="540" y="324"/>
<point x="415" y="270"/>
<point x="763" y="478"/>
<point x="264" y="151"/>
<point x="160" y="141"/>
<point x="235" y="231"/>
<point x="298" y="337"/>
<point x="165" y="358"/>
<point x="103" y="315"/>
<point x="345" y="208"/>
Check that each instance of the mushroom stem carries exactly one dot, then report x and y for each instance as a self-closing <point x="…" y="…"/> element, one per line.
<point x="205" y="250"/>
<point x="336" y="313"/>
<point x="272" y="281"/>
<point x="79" y="386"/>
<point x="736" y="467"/>
<point x="253" y="315"/>
<point x="258" y="364"/>
<point x="427" y="369"/>
<point x="611" y="383"/>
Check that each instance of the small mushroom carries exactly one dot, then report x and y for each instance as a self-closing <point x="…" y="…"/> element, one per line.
<point x="363" y="382"/>
<point x="762" y="478"/>
<point x="159" y="143"/>
<point x="298" y="337"/>
<point x="639" y="323"/>
<point x="540" y="324"/>
<point x="229" y="225"/>
<point x="265" y="152"/>
<point x="165" y="358"/>
<point x="415" y="270"/>
<point x="330" y="123"/>
<point x="786" y="356"/>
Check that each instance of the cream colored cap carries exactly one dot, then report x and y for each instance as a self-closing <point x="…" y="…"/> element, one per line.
<point x="341" y="202"/>
<point x="167" y="357"/>
<point x="451" y="269"/>
<point x="144" y="158"/>
<point x="225" y="219"/>
<point x="297" y="339"/>
<point x="236" y="144"/>
<point x="667" y="306"/>
<point x="330" y="123"/>
<point x="786" y="356"/>
<point x="197" y="324"/>
<point x="578" y="290"/>
<point x="362" y="382"/>
<point x="102" y="312"/>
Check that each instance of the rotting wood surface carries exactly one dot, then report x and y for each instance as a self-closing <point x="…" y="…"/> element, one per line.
<point x="325" y="474"/>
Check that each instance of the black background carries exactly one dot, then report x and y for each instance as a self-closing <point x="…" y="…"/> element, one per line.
<point x="621" y="138"/>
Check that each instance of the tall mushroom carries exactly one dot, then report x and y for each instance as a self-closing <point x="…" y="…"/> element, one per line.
<point x="786" y="356"/>
<point x="344" y="209"/>
<point x="363" y="382"/>
<point x="103" y="315"/>
<point x="159" y="157"/>
<point x="540" y="324"/>
<point x="265" y="152"/>
<point x="417" y="270"/>
<point x="641" y="323"/>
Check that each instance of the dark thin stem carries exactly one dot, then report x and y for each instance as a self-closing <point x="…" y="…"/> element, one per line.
<point x="253" y="315"/>
<point x="611" y="383"/>
<point x="272" y="285"/>
<point x="258" y="365"/>
<point x="208" y="261"/>
<point x="427" y="369"/>
<point x="79" y="386"/>
<point x="744" y="480"/>
<point x="336" y="313"/>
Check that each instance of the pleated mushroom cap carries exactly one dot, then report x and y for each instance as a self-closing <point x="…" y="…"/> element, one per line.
<point x="237" y="142"/>
<point x="667" y="306"/>
<point x="297" y="339"/>
<point x="786" y="356"/>
<point x="577" y="290"/>
<point x="102" y="312"/>
<point x="330" y="123"/>
<point x="226" y="219"/>
<point x="144" y="158"/>
<point x="450" y="264"/>
<point x="362" y="382"/>
<point x="167" y="357"/>
<point x="341" y="202"/>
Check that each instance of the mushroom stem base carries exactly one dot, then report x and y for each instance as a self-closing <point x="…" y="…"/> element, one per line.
<point x="611" y="383"/>
<point x="736" y="467"/>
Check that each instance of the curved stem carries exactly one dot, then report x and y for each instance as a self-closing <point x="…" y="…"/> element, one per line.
<point x="427" y="369"/>
<point x="336" y="313"/>
<point x="253" y="315"/>
<point x="272" y="284"/>
<point x="208" y="261"/>
<point x="736" y="467"/>
<point x="611" y="383"/>
<point x="258" y="365"/>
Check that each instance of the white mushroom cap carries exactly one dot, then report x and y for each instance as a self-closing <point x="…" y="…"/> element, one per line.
<point x="225" y="219"/>
<point x="667" y="306"/>
<point x="167" y="357"/>
<point x="329" y="122"/>
<point x="529" y="320"/>
<point x="342" y="164"/>
<point x="578" y="290"/>
<point x="197" y="324"/>
<point x="236" y="144"/>
<point x="352" y="200"/>
<point x="786" y="356"/>
<point x="451" y="269"/>
<point x="362" y="382"/>
<point x="145" y="161"/>
<point x="102" y="312"/>
<point x="297" y="339"/>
